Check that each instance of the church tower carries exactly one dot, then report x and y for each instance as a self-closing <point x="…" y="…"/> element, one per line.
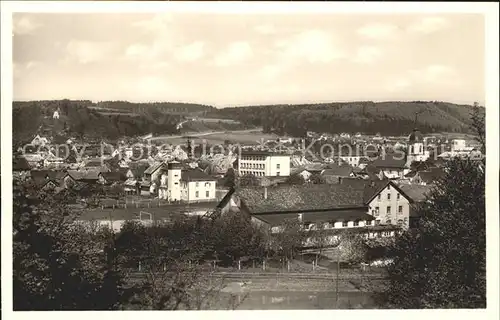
<point x="174" y="181"/>
<point x="415" y="147"/>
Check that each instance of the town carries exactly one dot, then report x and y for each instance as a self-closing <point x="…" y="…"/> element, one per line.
<point x="188" y="161"/>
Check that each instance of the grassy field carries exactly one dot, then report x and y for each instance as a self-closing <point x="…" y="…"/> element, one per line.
<point x="244" y="137"/>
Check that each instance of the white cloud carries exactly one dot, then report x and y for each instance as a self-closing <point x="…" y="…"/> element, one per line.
<point x="88" y="51"/>
<point x="438" y="74"/>
<point x="428" y="25"/>
<point x="159" y="23"/>
<point x="190" y="52"/>
<point x="367" y="54"/>
<point x="433" y="75"/>
<point x="378" y="31"/>
<point x="24" y="25"/>
<point x="315" y="46"/>
<point x="265" y="29"/>
<point x="235" y="53"/>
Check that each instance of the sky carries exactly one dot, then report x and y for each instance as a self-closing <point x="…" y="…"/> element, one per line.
<point x="235" y="59"/>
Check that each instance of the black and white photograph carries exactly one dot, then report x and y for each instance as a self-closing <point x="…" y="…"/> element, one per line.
<point x="174" y="157"/>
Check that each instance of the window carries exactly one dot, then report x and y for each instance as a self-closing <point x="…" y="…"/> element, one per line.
<point x="197" y="194"/>
<point x="368" y="222"/>
<point x="379" y="197"/>
<point x="277" y="166"/>
<point x="389" y="186"/>
<point x="277" y="173"/>
<point x="344" y="223"/>
<point x="176" y="183"/>
<point x="388" y="221"/>
<point x="377" y="210"/>
<point x="398" y="196"/>
<point x="400" y="209"/>
<point x="356" y="223"/>
<point x="207" y="194"/>
<point x="388" y="196"/>
<point x="377" y="222"/>
<point x="388" y="209"/>
<point x="197" y="184"/>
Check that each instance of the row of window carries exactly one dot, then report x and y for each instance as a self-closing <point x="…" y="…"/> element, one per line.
<point x="255" y="173"/>
<point x="398" y="196"/>
<point x="207" y="184"/>
<point x="388" y="210"/>
<point x="345" y="224"/>
<point x="252" y="166"/>
<point x="197" y="194"/>
<point x="253" y="158"/>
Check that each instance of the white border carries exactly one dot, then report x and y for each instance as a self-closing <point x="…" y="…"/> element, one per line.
<point x="490" y="10"/>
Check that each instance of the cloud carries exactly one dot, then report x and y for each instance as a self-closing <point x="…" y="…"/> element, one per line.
<point x="235" y="53"/>
<point x="265" y="29"/>
<point x="87" y="51"/>
<point x="438" y="74"/>
<point x="190" y="52"/>
<point x="24" y="25"/>
<point x="159" y="23"/>
<point x="428" y="25"/>
<point x="315" y="46"/>
<point x="367" y="54"/>
<point x="378" y="31"/>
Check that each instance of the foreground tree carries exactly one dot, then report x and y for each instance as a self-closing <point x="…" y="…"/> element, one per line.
<point x="442" y="264"/>
<point x="58" y="265"/>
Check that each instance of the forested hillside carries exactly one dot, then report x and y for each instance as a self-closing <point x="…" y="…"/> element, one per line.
<point x="386" y="118"/>
<point x="102" y="120"/>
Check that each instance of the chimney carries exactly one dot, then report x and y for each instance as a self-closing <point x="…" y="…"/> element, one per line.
<point x="265" y="192"/>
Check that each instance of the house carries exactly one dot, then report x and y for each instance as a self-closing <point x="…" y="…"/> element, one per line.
<point x="333" y="207"/>
<point x="301" y="172"/>
<point x="86" y="176"/>
<point x="111" y="177"/>
<point x="335" y="173"/>
<point x="136" y="171"/>
<point x="47" y="179"/>
<point x="393" y="165"/>
<point x="153" y="172"/>
<point x="425" y="177"/>
<point x="186" y="185"/>
<point x="263" y="163"/>
<point x="96" y="164"/>
<point x="20" y="167"/>
<point x="132" y="186"/>
<point x="39" y="141"/>
<point x="418" y="194"/>
<point x="388" y="203"/>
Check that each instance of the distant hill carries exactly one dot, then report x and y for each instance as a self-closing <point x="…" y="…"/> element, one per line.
<point x="386" y="118"/>
<point x="108" y="119"/>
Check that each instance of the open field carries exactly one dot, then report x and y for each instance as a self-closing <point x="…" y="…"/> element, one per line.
<point x="244" y="137"/>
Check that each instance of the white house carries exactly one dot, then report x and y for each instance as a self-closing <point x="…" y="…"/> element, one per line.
<point x="39" y="141"/>
<point x="56" y="114"/>
<point x="192" y="185"/>
<point x="264" y="164"/>
<point x="389" y="205"/>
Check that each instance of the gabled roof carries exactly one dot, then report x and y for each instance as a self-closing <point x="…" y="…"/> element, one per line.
<point x="417" y="193"/>
<point x="83" y="175"/>
<point x="431" y="175"/>
<point x="113" y="176"/>
<point x="296" y="198"/>
<point x="390" y="160"/>
<point x="340" y="171"/>
<point x="153" y="168"/>
<point x="195" y="175"/>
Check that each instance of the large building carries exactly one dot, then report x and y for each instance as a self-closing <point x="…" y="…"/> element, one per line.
<point x="186" y="185"/>
<point x="263" y="164"/>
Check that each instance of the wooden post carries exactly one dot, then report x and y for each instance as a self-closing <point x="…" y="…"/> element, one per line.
<point x="288" y="265"/>
<point x="239" y="264"/>
<point x="139" y="266"/>
<point x="264" y="265"/>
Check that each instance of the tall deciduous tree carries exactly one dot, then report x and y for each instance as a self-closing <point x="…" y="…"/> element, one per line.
<point x="442" y="264"/>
